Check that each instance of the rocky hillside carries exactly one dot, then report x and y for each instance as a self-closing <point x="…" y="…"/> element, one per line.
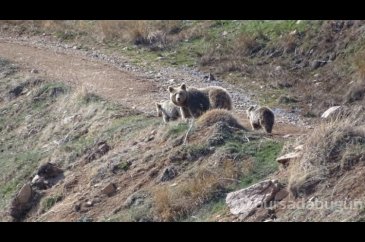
<point x="81" y="140"/>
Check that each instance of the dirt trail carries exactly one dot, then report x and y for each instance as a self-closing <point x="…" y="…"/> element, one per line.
<point x="106" y="80"/>
<point x="114" y="78"/>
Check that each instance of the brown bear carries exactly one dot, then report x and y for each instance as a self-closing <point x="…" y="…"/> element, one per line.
<point x="193" y="102"/>
<point x="168" y="111"/>
<point x="261" y="117"/>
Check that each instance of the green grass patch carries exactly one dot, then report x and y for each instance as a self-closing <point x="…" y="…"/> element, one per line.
<point x="175" y="130"/>
<point x="263" y="155"/>
<point x="49" y="202"/>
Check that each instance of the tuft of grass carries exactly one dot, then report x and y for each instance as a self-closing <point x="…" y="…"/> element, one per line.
<point x="175" y="130"/>
<point x="49" y="202"/>
<point x="330" y="148"/>
<point x="202" y="188"/>
<point x="123" y="166"/>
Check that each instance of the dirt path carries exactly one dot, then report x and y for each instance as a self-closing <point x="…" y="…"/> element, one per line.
<point x="114" y="78"/>
<point x="106" y="80"/>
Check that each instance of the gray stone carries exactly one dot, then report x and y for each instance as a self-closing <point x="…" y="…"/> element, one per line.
<point x="244" y="202"/>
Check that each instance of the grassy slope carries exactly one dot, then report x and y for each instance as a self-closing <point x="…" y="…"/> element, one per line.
<point x="241" y="52"/>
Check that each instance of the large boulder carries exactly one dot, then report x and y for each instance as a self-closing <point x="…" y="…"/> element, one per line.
<point x="244" y="202"/>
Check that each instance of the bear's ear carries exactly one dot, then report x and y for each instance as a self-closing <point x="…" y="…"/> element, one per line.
<point x="171" y="89"/>
<point x="183" y="86"/>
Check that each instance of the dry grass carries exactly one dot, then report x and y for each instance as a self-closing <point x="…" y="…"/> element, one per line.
<point x="218" y="115"/>
<point x="175" y="203"/>
<point x="332" y="146"/>
<point x="246" y="44"/>
<point x="356" y="92"/>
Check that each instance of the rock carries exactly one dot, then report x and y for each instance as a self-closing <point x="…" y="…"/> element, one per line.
<point x="244" y="202"/>
<point x="89" y="204"/>
<point x="135" y="199"/>
<point x="280" y="195"/>
<point x="299" y="148"/>
<point x="315" y="64"/>
<point x="21" y="202"/>
<point x="34" y="71"/>
<point x="286" y="158"/>
<point x="224" y="33"/>
<point x="25" y="194"/>
<point x="171" y="81"/>
<point x="109" y="189"/>
<point x="49" y="170"/>
<point x="153" y="132"/>
<point x="168" y="174"/>
<point x="330" y="111"/>
<point x="278" y="68"/>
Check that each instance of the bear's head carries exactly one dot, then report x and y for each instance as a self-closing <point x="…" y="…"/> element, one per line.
<point x="178" y="95"/>
<point x="159" y="109"/>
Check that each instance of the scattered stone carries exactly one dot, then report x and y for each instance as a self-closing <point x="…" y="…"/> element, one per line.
<point x="329" y="112"/>
<point x="34" y="71"/>
<point x="286" y="158"/>
<point x="89" y="204"/>
<point x="109" y="189"/>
